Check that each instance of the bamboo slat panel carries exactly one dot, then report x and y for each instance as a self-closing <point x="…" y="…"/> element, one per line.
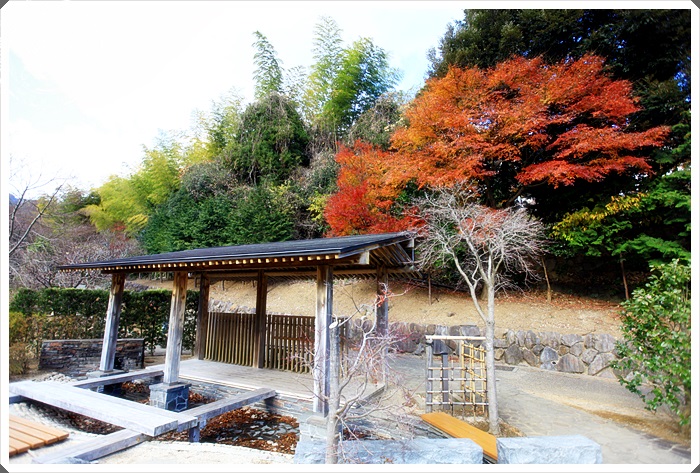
<point x="289" y="340"/>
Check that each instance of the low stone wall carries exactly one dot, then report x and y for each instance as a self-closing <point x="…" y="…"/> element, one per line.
<point x="569" y="353"/>
<point x="76" y="358"/>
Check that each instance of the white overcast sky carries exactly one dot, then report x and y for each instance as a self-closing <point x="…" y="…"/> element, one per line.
<point x="87" y="84"/>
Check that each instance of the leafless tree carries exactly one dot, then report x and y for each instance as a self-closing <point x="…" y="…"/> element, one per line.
<point x="486" y="246"/>
<point x="351" y="378"/>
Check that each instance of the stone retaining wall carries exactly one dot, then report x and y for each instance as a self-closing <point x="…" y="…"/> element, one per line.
<point x="569" y="353"/>
<point x="76" y="358"/>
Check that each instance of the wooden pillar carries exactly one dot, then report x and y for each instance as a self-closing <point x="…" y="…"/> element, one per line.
<point x="114" y="309"/>
<point x="383" y="306"/>
<point x="176" y="325"/>
<point x="382" y="314"/>
<point x="260" y="321"/>
<point x="324" y="315"/>
<point x="202" y="333"/>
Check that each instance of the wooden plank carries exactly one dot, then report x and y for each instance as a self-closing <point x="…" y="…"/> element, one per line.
<point x="94" y="449"/>
<point x="17" y="447"/>
<point x="460" y="429"/>
<point x="121" y="412"/>
<point x="21" y="436"/>
<point x="117" y="378"/>
<point x="16" y="421"/>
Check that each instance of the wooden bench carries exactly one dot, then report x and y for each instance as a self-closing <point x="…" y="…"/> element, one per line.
<point x="460" y="429"/>
<point x="207" y="411"/>
<point x="26" y="434"/>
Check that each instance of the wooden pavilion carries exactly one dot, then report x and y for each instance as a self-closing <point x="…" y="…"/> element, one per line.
<point x="370" y="256"/>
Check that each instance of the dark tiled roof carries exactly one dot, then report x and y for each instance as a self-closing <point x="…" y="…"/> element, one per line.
<point x="390" y="249"/>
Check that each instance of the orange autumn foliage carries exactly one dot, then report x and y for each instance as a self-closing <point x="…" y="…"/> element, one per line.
<point x="525" y="121"/>
<point x="363" y="201"/>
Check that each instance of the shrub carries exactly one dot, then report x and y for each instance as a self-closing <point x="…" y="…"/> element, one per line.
<point x="19" y="359"/>
<point x="54" y="314"/>
<point x="656" y="349"/>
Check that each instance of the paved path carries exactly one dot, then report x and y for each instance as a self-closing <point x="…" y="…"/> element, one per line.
<point x="539" y="402"/>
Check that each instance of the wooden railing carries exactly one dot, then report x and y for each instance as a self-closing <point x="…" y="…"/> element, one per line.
<point x="289" y="340"/>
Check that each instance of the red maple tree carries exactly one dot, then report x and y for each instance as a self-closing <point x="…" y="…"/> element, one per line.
<point x="363" y="202"/>
<point x="520" y="124"/>
<point x="505" y="133"/>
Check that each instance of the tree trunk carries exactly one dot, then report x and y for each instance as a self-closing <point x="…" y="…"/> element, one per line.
<point x="624" y="279"/>
<point x="492" y="395"/>
<point x="546" y="278"/>
<point x="332" y="430"/>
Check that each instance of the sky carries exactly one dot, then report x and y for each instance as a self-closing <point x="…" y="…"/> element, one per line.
<point x="87" y="84"/>
<point x="91" y="83"/>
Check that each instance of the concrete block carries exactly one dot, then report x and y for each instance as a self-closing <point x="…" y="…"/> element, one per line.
<point x="568" y="449"/>
<point x="416" y="451"/>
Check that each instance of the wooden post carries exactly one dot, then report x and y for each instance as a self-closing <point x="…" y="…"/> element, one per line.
<point x="429" y="376"/>
<point x="324" y="315"/>
<point x="260" y="321"/>
<point x="202" y="317"/>
<point x="171" y="372"/>
<point x="382" y="314"/>
<point x="383" y="307"/>
<point x="114" y="309"/>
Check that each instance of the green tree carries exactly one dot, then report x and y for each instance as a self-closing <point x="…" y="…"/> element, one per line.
<point x="265" y="214"/>
<point x="363" y="76"/>
<point x="271" y="141"/>
<point x="327" y="53"/>
<point x="268" y="70"/>
<point x="377" y="123"/>
<point x="657" y="346"/>
<point x="128" y="201"/>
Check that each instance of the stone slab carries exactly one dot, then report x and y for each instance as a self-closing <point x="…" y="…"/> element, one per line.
<point x="567" y="449"/>
<point x="417" y="451"/>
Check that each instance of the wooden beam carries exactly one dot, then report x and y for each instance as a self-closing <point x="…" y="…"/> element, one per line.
<point x="175" y="328"/>
<point x="114" y="308"/>
<point x="96" y="448"/>
<point x="324" y="314"/>
<point x="202" y="316"/>
<point x="132" y="415"/>
<point x="118" y="378"/>
<point x="260" y="321"/>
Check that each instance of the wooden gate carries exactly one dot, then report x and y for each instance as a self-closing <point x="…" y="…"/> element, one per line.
<point x="289" y="340"/>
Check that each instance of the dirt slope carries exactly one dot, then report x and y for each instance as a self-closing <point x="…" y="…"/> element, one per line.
<point x="523" y="311"/>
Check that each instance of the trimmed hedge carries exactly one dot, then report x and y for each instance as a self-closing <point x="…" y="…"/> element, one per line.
<point x="56" y="314"/>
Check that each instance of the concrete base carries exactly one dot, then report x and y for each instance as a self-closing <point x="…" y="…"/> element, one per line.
<point x="567" y="449"/>
<point x="172" y="397"/>
<point x="417" y="451"/>
<point x="111" y="389"/>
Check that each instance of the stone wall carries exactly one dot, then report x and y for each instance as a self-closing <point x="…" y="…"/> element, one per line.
<point x="569" y="353"/>
<point x="76" y="358"/>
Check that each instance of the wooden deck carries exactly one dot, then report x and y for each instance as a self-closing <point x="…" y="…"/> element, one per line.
<point x="26" y="434"/>
<point x="285" y="383"/>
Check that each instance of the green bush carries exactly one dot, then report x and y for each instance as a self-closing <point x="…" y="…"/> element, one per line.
<point x="55" y="314"/>
<point x="656" y="349"/>
<point x="19" y="359"/>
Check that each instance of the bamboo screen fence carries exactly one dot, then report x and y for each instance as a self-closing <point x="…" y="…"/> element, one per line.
<point x="457" y="382"/>
<point x="289" y="340"/>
